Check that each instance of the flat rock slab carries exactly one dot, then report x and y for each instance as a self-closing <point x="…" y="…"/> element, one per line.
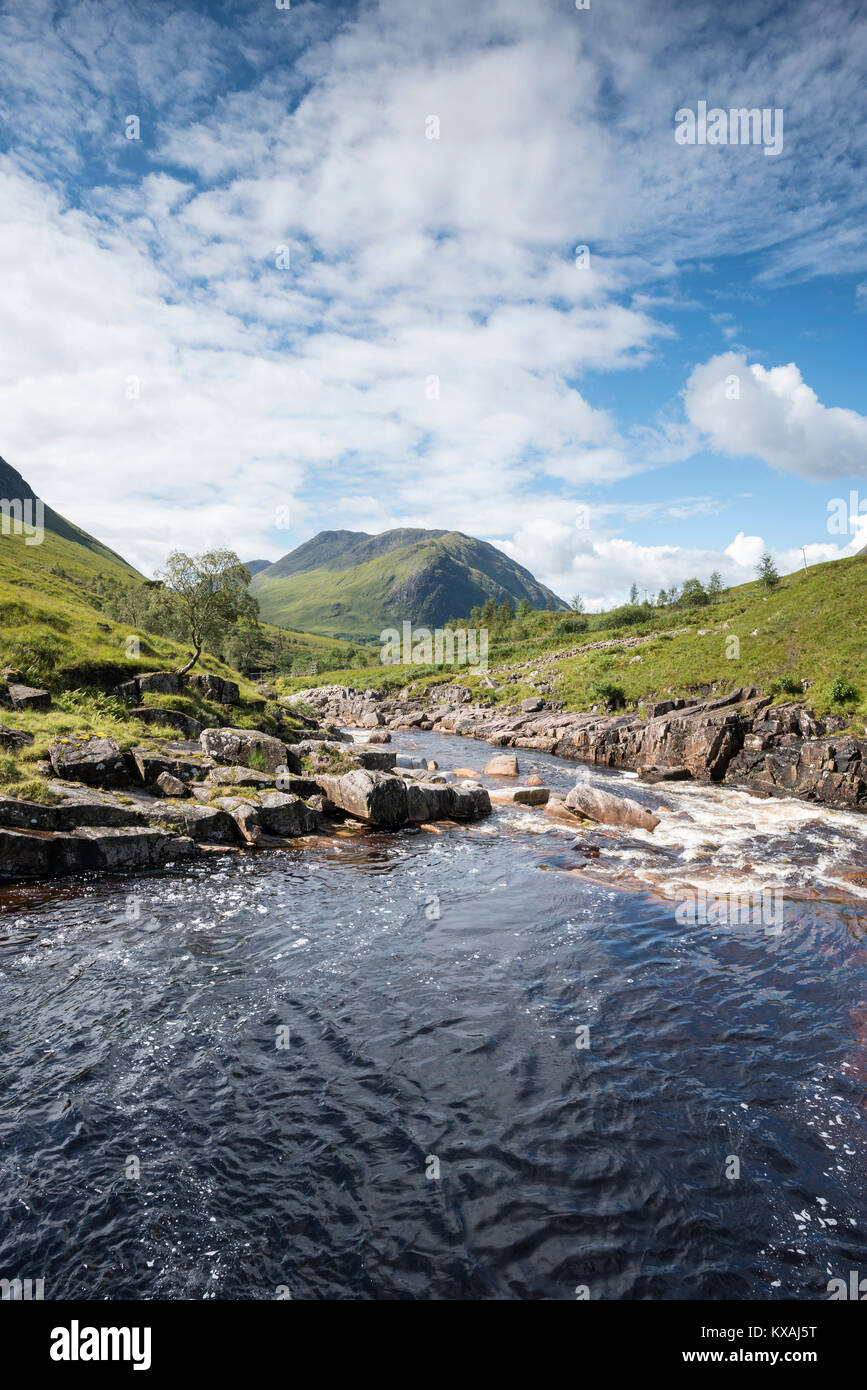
<point x="34" y="854"/>
<point x="208" y="824"/>
<point x="239" y="776"/>
<point x="522" y="796"/>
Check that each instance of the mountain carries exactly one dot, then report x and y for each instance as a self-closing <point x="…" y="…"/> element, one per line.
<point x="254" y="566"/>
<point x="14" y="488"/>
<point x="351" y="584"/>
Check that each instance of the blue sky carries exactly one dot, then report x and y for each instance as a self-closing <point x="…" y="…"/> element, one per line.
<point x="285" y="308"/>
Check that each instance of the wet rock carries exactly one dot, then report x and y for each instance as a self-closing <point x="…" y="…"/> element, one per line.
<point x="470" y="800"/>
<point x="282" y="814"/>
<point x="504" y="765"/>
<point x="666" y="774"/>
<point x="34" y="854"/>
<point x="380" y="736"/>
<point x="95" y="761"/>
<point x="429" y="801"/>
<point x="534" y="780"/>
<point x="128" y="849"/>
<point x="594" y="804"/>
<point x="248" y="748"/>
<point x="523" y="796"/>
<point x="465" y="772"/>
<point x="77" y="809"/>
<point x="376" y="797"/>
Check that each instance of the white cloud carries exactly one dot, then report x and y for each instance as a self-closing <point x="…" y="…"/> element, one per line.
<point x="772" y="413"/>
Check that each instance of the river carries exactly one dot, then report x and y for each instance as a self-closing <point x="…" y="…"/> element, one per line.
<point x="356" y="1069"/>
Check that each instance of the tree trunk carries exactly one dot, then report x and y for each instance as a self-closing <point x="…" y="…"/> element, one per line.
<point x="192" y="661"/>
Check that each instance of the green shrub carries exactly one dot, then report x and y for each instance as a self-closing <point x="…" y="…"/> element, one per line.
<point x="564" y="626"/>
<point x="841" y="692"/>
<point x="613" y="695"/>
<point x="625" y="616"/>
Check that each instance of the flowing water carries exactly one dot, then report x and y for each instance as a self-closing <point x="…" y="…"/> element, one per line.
<point x="287" y="1047"/>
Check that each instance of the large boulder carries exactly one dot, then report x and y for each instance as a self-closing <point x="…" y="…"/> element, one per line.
<point x="171" y="718"/>
<point x="504" y="765"/>
<point x="213" y="687"/>
<point x="283" y="814"/>
<point x="28" y="697"/>
<point x="98" y="762"/>
<point x="469" y="800"/>
<point x="428" y="801"/>
<point x="159" y="683"/>
<point x="150" y="767"/>
<point x="249" y="748"/>
<point x="591" y="803"/>
<point x="376" y="797"/>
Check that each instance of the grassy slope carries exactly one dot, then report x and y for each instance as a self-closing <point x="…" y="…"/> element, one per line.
<point x="355" y="600"/>
<point x="36" y="604"/>
<point x="811" y="628"/>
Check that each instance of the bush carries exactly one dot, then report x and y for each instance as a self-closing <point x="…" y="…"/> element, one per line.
<point x="613" y="695"/>
<point x="790" y="686"/>
<point x="626" y="616"/>
<point x="93" y="704"/>
<point x="567" y="625"/>
<point x="841" y="692"/>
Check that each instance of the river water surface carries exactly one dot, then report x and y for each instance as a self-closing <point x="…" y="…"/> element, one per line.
<point x="425" y="989"/>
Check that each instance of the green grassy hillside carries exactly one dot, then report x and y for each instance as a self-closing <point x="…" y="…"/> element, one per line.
<point x="795" y="641"/>
<point x="350" y="584"/>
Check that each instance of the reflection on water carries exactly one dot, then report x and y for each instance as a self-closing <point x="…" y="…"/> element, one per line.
<point x="432" y="985"/>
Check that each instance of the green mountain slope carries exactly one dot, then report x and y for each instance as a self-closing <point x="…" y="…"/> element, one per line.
<point x="353" y="584"/>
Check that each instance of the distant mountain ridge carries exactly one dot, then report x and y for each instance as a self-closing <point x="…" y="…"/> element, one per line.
<point x="351" y="583"/>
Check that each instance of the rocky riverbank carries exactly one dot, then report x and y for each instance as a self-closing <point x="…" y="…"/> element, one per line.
<point x="225" y="791"/>
<point x="230" y="789"/>
<point x="742" y="739"/>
